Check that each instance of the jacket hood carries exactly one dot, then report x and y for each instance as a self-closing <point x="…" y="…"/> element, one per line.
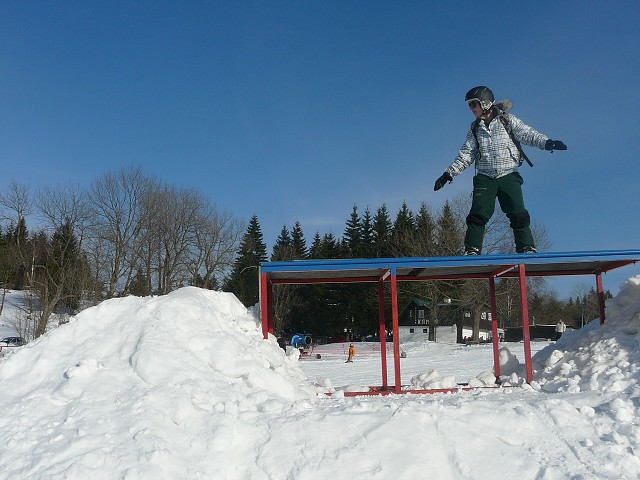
<point x="504" y="105"/>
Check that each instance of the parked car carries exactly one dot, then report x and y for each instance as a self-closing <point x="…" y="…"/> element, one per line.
<point x="13" y="341"/>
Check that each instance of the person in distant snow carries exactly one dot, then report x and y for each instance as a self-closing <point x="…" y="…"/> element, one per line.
<point x="493" y="143"/>
<point x="352" y="353"/>
<point x="561" y="327"/>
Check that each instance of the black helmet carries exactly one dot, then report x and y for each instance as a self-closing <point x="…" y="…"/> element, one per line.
<point x="482" y="94"/>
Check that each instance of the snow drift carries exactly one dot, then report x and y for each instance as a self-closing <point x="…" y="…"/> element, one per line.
<point x="597" y="358"/>
<point x="173" y="369"/>
<point x="184" y="387"/>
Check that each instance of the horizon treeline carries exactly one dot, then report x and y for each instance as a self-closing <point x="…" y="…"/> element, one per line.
<point x="339" y="309"/>
<point x="129" y="233"/>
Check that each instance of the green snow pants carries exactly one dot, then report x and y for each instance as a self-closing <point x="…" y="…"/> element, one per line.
<point x="508" y="191"/>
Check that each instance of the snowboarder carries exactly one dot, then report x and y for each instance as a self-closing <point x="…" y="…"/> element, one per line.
<point x="352" y="353"/>
<point x="493" y="143"/>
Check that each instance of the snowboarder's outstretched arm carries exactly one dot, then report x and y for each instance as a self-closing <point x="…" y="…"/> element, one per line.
<point x="530" y="136"/>
<point x="466" y="156"/>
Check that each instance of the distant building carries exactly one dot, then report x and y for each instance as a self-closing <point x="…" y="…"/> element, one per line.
<point x="484" y="328"/>
<point x="414" y="321"/>
<point x="453" y="325"/>
<point x="536" y="332"/>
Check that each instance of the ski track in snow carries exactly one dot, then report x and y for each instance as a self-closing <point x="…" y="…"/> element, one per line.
<point x="543" y="422"/>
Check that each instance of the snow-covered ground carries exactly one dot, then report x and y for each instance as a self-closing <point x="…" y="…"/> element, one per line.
<point x="184" y="387"/>
<point x="457" y="363"/>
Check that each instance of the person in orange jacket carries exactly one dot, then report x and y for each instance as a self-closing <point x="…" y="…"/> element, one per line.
<point x="352" y="353"/>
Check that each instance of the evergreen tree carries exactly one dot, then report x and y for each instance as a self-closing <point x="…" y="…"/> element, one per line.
<point x="366" y="315"/>
<point x="352" y="297"/>
<point x="198" y="280"/>
<point x="315" y="296"/>
<point x="352" y="237"/>
<point x="425" y="244"/>
<point x="402" y="238"/>
<point x="298" y="242"/>
<point x="404" y="219"/>
<point x="20" y="254"/>
<point x="6" y="269"/>
<point x="65" y="266"/>
<point x="450" y="236"/>
<point x="368" y="235"/>
<point x="320" y="310"/>
<point x="140" y="285"/>
<point x="283" y="248"/>
<point x="21" y="234"/>
<point x="5" y="265"/>
<point x="285" y="298"/>
<point x="243" y="281"/>
<point x="330" y="247"/>
<point x="382" y="229"/>
<point x="316" y="245"/>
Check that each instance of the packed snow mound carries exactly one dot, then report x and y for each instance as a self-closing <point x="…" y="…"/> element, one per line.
<point x="171" y="369"/>
<point x="597" y="357"/>
<point x="432" y="380"/>
<point x="509" y="364"/>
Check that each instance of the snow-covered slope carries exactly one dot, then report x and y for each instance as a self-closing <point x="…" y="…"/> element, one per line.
<point x="184" y="387"/>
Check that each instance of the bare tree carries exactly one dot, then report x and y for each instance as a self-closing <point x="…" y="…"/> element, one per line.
<point x="587" y="305"/>
<point x="116" y="202"/>
<point x="57" y="274"/>
<point x="17" y="203"/>
<point x="177" y="215"/>
<point x="217" y="236"/>
<point x="23" y="320"/>
<point x="285" y="297"/>
<point x="128" y="230"/>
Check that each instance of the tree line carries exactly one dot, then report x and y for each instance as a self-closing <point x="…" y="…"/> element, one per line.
<point x="129" y="233"/>
<point x="333" y="309"/>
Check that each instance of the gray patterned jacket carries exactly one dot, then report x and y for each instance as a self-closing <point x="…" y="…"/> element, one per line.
<point x="495" y="154"/>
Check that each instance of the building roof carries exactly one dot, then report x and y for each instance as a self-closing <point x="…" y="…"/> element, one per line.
<point x="440" y="268"/>
<point x="419" y="302"/>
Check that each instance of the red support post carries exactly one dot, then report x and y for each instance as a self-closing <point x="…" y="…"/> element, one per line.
<point x="396" y="330"/>
<point x="383" y="333"/>
<point x="494" y="327"/>
<point x="600" y="291"/>
<point x="272" y="325"/>
<point x="526" y="336"/>
<point x="265" y="305"/>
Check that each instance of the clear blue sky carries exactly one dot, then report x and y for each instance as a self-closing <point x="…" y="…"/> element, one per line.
<point x="298" y="110"/>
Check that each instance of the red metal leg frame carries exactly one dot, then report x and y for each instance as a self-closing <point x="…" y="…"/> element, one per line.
<point x="383" y="333"/>
<point x="266" y="305"/>
<point x="396" y="331"/>
<point x="494" y="326"/>
<point x="525" y="321"/>
<point x="600" y="291"/>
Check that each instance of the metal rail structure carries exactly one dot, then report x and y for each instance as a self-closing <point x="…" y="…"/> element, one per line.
<point x="394" y="270"/>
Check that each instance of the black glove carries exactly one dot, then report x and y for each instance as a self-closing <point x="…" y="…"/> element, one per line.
<point x="444" y="178"/>
<point x="554" y="145"/>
